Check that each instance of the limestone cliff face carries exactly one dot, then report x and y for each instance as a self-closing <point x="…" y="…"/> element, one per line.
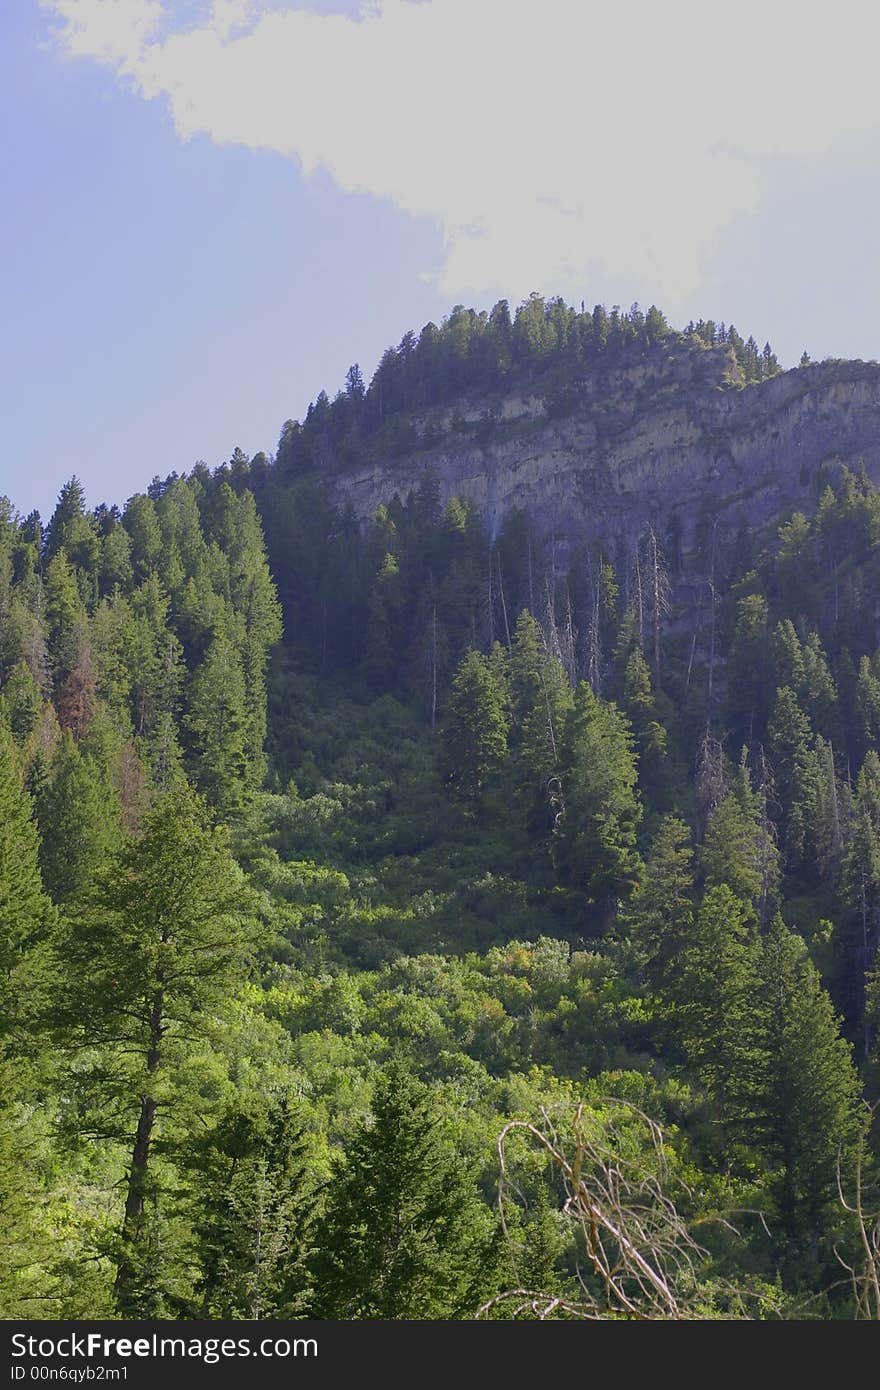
<point x="675" y="435"/>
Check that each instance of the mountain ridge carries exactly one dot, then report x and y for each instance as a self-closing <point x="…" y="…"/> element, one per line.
<point x="676" y="434"/>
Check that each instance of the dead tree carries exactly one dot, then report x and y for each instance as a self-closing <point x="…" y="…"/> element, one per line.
<point x="642" y="1262"/>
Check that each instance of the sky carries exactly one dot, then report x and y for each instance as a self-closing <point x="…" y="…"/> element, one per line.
<point x="211" y="208"/>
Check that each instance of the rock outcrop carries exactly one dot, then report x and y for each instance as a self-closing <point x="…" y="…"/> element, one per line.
<point x="673" y="435"/>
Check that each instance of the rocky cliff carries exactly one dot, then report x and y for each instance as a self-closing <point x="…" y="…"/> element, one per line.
<point x="675" y="434"/>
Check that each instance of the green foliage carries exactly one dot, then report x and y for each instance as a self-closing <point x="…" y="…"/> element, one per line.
<point x="661" y="914"/>
<point x="79" y="816"/>
<point x="148" y="963"/>
<point x="331" y="924"/>
<point x="595" y="841"/>
<point x="27" y="918"/>
<point x="255" y="1200"/>
<point x="405" y="1234"/>
<point x="812" y="1116"/>
<point x="216" y="723"/>
<point x="739" y="850"/>
<point x="474" y="727"/>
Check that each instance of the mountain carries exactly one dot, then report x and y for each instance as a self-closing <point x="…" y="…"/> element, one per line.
<point x="674" y="434"/>
<point x="443" y="861"/>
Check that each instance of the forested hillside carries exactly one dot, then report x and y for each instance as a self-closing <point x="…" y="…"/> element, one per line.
<point x="406" y="921"/>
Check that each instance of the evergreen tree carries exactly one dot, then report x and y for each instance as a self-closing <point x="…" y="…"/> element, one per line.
<point x="21" y="702"/>
<point x="27" y="917"/>
<point x="474" y="727"/>
<point x="27" y="925"/>
<point x="540" y="699"/>
<point x="70" y="529"/>
<point x="719" y="1021"/>
<point x="796" y="774"/>
<point x="142" y="524"/>
<point x="812" y="1091"/>
<point x="65" y="618"/>
<point x="859" y="931"/>
<point x="596" y="832"/>
<point x="216" y="722"/>
<point x="79" y="819"/>
<point x="405" y="1234"/>
<point x="739" y="849"/>
<point x="148" y="964"/>
<point x="256" y="1203"/>
<point x="661" y="914"/>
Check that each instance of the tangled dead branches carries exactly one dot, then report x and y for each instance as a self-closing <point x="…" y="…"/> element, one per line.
<point x="864" y="1276"/>
<point x="640" y="1257"/>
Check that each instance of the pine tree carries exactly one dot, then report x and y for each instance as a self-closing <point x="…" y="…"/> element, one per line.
<point x="540" y="699"/>
<point x="596" y="832"/>
<point x="20" y="702"/>
<point x="796" y="774"/>
<point x="69" y="528"/>
<point x="142" y="524"/>
<point x="152" y="953"/>
<point x="405" y="1234"/>
<point x="739" y="849"/>
<point x="859" y="929"/>
<point x="640" y="706"/>
<point x="216" y="722"/>
<point x="475" y="727"/>
<point x="256" y="1202"/>
<point x="65" y="618"/>
<point x="27" y="927"/>
<point x="79" y="818"/>
<point x="27" y="918"/>
<point x="661" y="915"/>
<point x="812" y="1091"/>
<point x="717" y="1015"/>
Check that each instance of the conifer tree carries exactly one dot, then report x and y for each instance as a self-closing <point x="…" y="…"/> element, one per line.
<point x="148" y="963"/>
<point x="812" y="1092"/>
<point x="596" y="832"/>
<point x="142" y="524"/>
<point x="79" y="818"/>
<point x="256" y="1202"/>
<point x="27" y="918"/>
<point x="475" y="727"/>
<point x="216" y="722"/>
<point x="859" y="929"/>
<point x="718" y="1017"/>
<point x="27" y="926"/>
<point x="739" y="849"/>
<point x="540" y="699"/>
<point x="661" y="914"/>
<point x="796" y="774"/>
<point x="65" y="618"/>
<point x="405" y="1234"/>
<point x="20" y="702"/>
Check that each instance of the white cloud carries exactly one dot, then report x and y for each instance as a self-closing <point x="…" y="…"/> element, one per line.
<point x="552" y="141"/>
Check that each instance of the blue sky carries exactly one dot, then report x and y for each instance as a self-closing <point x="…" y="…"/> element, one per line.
<point x="212" y="208"/>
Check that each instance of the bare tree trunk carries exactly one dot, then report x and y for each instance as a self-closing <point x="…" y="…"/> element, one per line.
<point x="503" y="604"/>
<point x="835" y="804"/>
<point x="711" y="677"/>
<point x="532" y="609"/>
<point x="696" y="633"/>
<point x="594" y="649"/>
<point x="434" y="667"/>
<point x="569" y="655"/>
<point x="490" y="599"/>
<point x="126" y="1271"/>
<point x="659" y="595"/>
<point x="640" y="608"/>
